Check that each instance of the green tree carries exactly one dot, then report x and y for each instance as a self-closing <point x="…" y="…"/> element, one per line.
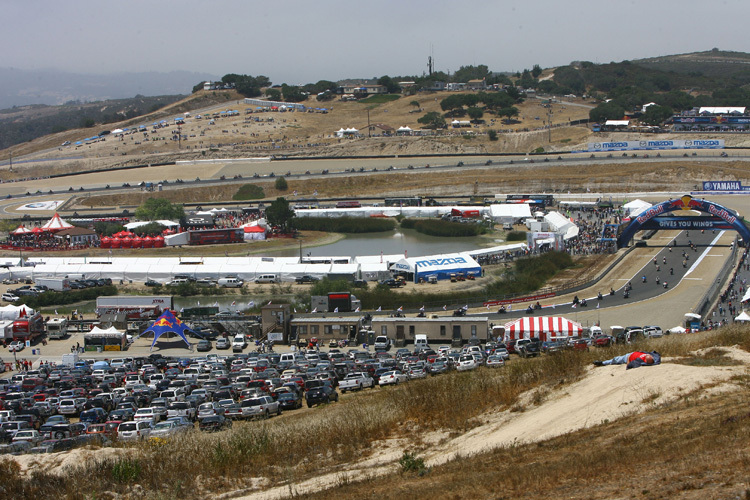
<point x="159" y="208"/>
<point x="509" y="112"/>
<point x="656" y="115"/>
<point x="87" y="122"/>
<point x="198" y="86"/>
<point x="433" y="120"/>
<point x="387" y="82"/>
<point x="475" y="113"/>
<point x="466" y="73"/>
<point x="536" y="71"/>
<point x="279" y="213"/>
<point x="273" y="94"/>
<point x="607" y="111"/>
<point x="292" y="93"/>
<point x="281" y="184"/>
<point x="415" y="104"/>
<point x="492" y="135"/>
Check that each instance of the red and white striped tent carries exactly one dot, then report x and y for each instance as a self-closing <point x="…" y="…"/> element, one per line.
<point x="56" y="223"/>
<point x="543" y="328"/>
<point x="21" y="230"/>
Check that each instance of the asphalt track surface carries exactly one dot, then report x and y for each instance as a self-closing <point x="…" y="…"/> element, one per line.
<point x="641" y="292"/>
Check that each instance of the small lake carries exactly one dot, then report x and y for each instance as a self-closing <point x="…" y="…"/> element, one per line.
<point x="401" y="241"/>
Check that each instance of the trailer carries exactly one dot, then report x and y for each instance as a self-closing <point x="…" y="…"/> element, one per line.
<point x="133" y="307"/>
<point x="57" y="328"/>
<point x="55" y="284"/>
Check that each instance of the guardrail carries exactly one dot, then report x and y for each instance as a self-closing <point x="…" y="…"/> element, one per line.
<point x="704" y="305"/>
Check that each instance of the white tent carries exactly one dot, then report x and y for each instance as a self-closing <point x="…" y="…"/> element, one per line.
<point x="509" y="212"/>
<point x="635" y="207"/>
<point x="743" y="316"/>
<point x="166" y="223"/>
<point x="677" y="329"/>
<point x="56" y="223"/>
<point x="12" y="313"/>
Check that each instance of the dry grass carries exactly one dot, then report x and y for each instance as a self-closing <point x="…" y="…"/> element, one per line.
<point x="697" y="437"/>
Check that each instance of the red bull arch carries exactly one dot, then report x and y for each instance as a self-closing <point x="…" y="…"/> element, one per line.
<point x="667" y="216"/>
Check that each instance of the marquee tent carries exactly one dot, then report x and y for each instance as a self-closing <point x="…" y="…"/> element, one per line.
<point x="440" y="266"/>
<point x="166" y="323"/>
<point x="509" y="212"/>
<point x="743" y="316"/>
<point x="56" y="223"/>
<point x="254" y="233"/>
<point x="21" y="230"/>
<point x="635" y="207"/>
<point x="11" y="312"/>
<point x="542" y="327"/>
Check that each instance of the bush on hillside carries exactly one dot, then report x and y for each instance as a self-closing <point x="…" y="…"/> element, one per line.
<point x="249" y="192"/>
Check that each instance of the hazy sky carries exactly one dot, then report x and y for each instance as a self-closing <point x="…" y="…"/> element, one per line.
<point x="293" y="41"/>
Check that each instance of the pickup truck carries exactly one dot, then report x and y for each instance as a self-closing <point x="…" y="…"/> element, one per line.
<point x="260" y="407"/>
<point x="356" y="381"/>
<point x="382" y="343"/>
<point x="528" y="348"/>
<point x="306" y="279"/>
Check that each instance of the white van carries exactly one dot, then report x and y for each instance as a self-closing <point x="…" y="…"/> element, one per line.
<point x="239" y="343"/>
<point x="290" y="357"/>
<point x="267" y="278"/>
<point x="230" y="282"/>
<point x="420" y="342"/>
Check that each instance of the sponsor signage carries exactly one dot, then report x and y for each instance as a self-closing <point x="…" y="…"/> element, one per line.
<point x="656" y="145"/>
<point x="724" y="186"/>
<point x="683" y="223"/>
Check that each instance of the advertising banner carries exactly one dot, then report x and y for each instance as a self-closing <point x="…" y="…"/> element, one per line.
<point x="656" y="145"/>
<point x="724" y="186"/>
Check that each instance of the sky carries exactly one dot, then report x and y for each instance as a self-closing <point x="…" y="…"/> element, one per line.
<point x="298" y="42"/>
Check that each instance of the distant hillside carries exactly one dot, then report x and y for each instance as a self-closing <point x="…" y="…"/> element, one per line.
<point x="714" y="63"/>
<point x="48" y="86"/>
<point x="24" y="123"/>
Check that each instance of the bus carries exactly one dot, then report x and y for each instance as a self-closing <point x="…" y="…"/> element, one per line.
<point x="541" y="200"/>
<point x="216" y="236"/>
<point x="411" y="201"/>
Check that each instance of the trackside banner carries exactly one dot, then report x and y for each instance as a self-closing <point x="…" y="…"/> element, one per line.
<point x="656" y="145"/>
<point x="724" y="186"/>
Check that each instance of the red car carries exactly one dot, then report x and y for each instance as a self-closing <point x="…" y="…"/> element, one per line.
<point x="603" y="341"/>
<point x="581" y="345"/>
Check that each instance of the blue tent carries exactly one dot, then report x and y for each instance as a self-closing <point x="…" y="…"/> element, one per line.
<point x="165" y="323"/>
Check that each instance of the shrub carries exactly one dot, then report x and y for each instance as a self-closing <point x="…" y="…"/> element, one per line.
<point x="126" y="471"/>
<point x="437" y="227"/>
<point x="409" y="462"/>
<point x="281" y="184"/>
<point x="249" y="192"/>
<point x="52" y="298"/>
<point x="492" y="135"/>
<point x="515" y="236"/>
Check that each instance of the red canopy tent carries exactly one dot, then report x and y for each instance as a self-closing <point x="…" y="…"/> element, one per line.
<point x="543" y="328"/>
<point x="37" y="230"/>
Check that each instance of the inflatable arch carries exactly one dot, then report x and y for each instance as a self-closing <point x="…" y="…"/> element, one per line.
<point x="724" y="217"/>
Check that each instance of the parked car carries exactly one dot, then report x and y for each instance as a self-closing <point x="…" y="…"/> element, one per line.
<point x="393" y="377"/>
<point x="136" y="430"/>
<point x="9" y="297"/>
<point x="30" y="435"/>
<point x="204" y="346"/>
<point x="466" y="362"/>
<point x="167" y="429"/>
<point x="260" y="407"/>
<point x="289" y="401"/>
<point x="306" y="279"/>
<point x="223" y="343"/>
<point x="214" y="423"/>
<point x="321" y="394"/>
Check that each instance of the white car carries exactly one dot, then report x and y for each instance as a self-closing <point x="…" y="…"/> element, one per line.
<point x="30" y="435"/>
<point x="394" y="377"/>
<point x="653" y="332"/>
<point x="466" y="362"/>
<point x="9" y="297"/>
<point x="134" y="431"/>
<point x="16" y="346"/>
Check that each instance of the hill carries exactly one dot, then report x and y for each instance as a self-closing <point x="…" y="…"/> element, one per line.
<point x="716" y="63"/>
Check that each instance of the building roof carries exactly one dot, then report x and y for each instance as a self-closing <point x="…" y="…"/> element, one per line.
<point x="76" y="231"/>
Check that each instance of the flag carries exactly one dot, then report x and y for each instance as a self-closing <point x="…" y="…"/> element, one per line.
<point x="269" y="303"/>
<point x="314" y="310"/>
<point x="553" y="306"/>
<point x="574" y="306"/>
<point x="234" y="303"/>
<point x="378" y="309"/>
<point x="445" y="308"/>
<point x="488" y="307"/>
<point x="295" y="192"/>
<point x="199" y="302"/>
<point x="216" y="304"/>
<point x="356" y="310"/>
<point x="251" y="303"/>
<point x="597" y="305"/>
<point x="336" y="310"/>
<point x="466" y="307"/>
<point x="182" y="310"/>
<point x="55" y="312"/>
<point x="421" y="308"/>
<point x="401" y="308"/>
<point x="295" y="310"/>
<point x="510" y="307"/>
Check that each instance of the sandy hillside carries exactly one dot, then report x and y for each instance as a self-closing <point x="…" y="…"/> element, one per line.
<point x="603" y="394"/>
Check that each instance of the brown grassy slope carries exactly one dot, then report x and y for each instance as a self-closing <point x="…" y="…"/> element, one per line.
<point x="692" y="449"/>
<point x="537" y="177"/>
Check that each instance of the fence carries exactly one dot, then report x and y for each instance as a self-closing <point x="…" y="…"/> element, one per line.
<point x="704" y="305"/>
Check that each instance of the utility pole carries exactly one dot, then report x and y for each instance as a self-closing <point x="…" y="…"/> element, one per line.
<point x="11" y="160"/>
<point x="368" y="123"/>
<point x="549" y="122"/>
<point x="179" y="136"/>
